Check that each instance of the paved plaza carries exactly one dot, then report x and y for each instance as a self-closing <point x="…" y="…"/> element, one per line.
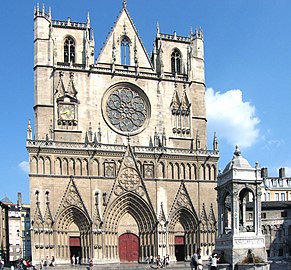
<point x="276" y="265"/>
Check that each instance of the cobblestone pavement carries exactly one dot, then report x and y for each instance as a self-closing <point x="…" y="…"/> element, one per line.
<point x="276" y="265"/>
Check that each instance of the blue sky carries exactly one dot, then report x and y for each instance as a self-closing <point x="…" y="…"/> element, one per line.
<point x="247" y="64"/>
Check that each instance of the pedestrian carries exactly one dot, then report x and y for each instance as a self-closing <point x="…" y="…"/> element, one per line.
<point x="46" y="261"/>
<point x="167" y="260"/>
<point x="194" y="259"/>
<point x="53" y="261"/>
<point x="159" y="262"/>
<point x="41" y="265"/>
<point x="200" y="264"/>
<point x="90" y="263"/>
<point x="151" y="259"/>
<point x="213" y="261"/>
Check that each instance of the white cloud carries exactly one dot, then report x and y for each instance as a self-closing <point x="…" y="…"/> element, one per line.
<point x="232" y="118"/>
<point x="24" y="166"/>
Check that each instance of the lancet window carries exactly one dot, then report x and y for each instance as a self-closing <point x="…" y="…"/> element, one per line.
<point x="125" y="52"/>
<point x="176" y="62"/>
<point x="69" y="50"/>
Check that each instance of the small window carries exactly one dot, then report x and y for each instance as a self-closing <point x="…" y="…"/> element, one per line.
<point x="125" y="56"/>
<point x="69" y="51"/>
<point x="176" y="62"/>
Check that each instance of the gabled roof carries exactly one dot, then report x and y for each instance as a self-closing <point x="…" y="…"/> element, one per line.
<point x="124" y="26"/>
<point x="6" y="200"/>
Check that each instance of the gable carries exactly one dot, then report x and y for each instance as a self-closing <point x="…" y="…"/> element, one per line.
<point x="112" y="50"/>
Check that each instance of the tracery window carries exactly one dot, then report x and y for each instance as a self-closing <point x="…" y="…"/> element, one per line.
<point x="176" y="62"/>
<point x="69" y="50"/>
<point x="125" y="55"/>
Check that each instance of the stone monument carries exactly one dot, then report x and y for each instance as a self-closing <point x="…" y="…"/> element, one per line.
<point x="242" y="244"/>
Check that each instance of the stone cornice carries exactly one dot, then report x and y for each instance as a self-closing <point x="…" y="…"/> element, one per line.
<point x="51" y="147"/>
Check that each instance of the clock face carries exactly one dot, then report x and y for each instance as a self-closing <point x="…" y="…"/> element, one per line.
<point x="66" y="112"/>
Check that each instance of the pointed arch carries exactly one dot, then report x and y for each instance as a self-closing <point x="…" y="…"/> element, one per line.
<point x="73" y="214"/>
<point x="176" y="171"/>
<point x="33" y="165"/>
<point x="85" y="168"/>
<point x="72" y="166"/>
<point x="142" y="213"/>
<point x="176" y="61"/>
<point x="133" y="204"/>
<point x="183" y="171"/>
<point x="189" y="222"/>
<point x="194" y="172"/>
<point x="72" y="222"/>
<point x="213" y="172"/>
<point x="78" y="167"/>
<point x="41" y="165"/>
<point x="69" y="50"/>
<point x="58" y="166"/>
<point x="207" y="172"/>
<point x="161" y="170"/>
<point x="125" y="50"/>
<point x="170" y="171"/>
<point x="188" y="171"/>
<point x="95" y="167"/>
<point x="65" y="166"/>
<point x="202" y="172"/>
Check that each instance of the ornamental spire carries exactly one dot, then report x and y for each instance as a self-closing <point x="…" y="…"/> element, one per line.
<point x="29" y="131"/>
<point x="124" y="4"/>
<point x="215" y="143"/>
<point x="88" y="20"/>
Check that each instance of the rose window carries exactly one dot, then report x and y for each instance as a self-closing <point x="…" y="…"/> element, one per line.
<point x="126" y="110"/>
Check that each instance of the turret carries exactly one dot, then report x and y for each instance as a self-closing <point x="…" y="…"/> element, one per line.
<point x="196" y="56"/>
<point x="29" y="131"/>
<point x="43" y="68"/>
<point x="215" y="143"/>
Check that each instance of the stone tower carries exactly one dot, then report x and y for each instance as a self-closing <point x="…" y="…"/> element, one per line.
<point x="237" y="186"/>
<point x="119" y="165"/>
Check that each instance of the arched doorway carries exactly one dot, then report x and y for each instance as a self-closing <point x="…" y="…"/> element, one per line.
<point x="127" y="210"/>
<point x="73" y="230"/>
<point x="183" y="234"/>
<point x="128" y="247"/>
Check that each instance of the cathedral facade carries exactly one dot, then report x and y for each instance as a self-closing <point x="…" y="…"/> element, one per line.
<point x="119" y="165"/>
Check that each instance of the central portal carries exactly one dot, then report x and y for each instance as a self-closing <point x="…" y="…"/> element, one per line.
<point x="128" y="246"/>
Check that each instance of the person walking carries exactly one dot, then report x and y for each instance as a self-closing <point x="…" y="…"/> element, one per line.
<point x="194" y="259"/>
<point x="213" y="261"/>
<point x="90" y="264"/>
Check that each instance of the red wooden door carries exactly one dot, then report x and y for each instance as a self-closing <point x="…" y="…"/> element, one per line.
<point x="128" y="246"/>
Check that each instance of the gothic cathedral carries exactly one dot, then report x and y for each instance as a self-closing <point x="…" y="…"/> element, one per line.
<point x="119" y="165"/>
